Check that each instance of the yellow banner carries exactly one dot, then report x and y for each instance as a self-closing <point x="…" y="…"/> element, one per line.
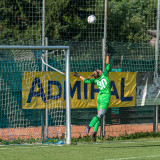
<point x="123" y="89"/>
<point x="47" y="90"/>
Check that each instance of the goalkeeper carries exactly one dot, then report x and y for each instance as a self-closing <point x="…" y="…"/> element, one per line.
<point x="102" y="81"/>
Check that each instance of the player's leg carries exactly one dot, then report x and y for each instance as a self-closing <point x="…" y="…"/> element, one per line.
<point x="103" y="107"/>
<point x="100" y="115"/>
<point x="96" y="126"/>
<point x="95" y="119"/>
<point x="93" y="122"/>
<point x="94" y="134"/>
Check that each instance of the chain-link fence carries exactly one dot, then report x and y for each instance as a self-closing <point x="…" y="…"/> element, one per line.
<point x="130" y="27"/>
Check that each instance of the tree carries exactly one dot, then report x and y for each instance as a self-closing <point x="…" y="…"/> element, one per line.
<point x="18" y="21"/>
<point x="67" y="19"/>
<point x="129" y="20"/>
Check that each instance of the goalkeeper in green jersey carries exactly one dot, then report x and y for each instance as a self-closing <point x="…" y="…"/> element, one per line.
<point x="102" y="81"/>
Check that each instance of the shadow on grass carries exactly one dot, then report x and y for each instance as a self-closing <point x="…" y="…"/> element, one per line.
<point x="133" y="146"/>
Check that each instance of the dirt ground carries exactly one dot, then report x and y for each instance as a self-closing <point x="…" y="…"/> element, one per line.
<point x="76" y="131"/>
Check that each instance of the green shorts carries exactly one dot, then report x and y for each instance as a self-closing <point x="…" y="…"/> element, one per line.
<point x="103" y="100"/>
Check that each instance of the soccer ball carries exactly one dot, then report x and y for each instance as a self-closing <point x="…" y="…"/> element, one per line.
<point x="91" y="19"/>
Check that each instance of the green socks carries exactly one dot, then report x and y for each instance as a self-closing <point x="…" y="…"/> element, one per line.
<point x="96" y="126"/>
<point x="94" y="121"/>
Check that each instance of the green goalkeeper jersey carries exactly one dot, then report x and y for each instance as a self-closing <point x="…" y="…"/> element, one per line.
<point x="102" y="82"/>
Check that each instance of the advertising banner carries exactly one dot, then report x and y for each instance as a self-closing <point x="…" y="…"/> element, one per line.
<point x="148" y="89"/>
<point x="47" y="90"/>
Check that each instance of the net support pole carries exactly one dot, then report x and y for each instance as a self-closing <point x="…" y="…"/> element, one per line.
<point x="42" y="114"/>
<point x="46" y="42"/>
<point x="155" y="116"/>
<point x="105" y="21"/>
<point x="103" y="122"/>
<point x="68" y="108"/>
<point x="43" y="69"/>
<point x="43" y="23"/>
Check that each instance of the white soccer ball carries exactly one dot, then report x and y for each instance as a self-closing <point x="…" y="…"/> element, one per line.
<point x="91" y="19"/>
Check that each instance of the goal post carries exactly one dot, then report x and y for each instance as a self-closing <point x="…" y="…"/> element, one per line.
<point x="44" y="91"/>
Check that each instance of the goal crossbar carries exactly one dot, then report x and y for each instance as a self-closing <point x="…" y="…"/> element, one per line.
<point x="5" y="47"/>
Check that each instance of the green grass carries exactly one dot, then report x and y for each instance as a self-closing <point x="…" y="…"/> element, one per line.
<point x="141" y="149"/>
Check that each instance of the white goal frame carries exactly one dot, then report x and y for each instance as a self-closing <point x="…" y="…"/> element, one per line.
<point x="66" y="74"/>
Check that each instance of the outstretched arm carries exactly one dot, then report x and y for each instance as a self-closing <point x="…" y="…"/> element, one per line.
<point x="107" y="68"/>
<point x="107" y="55"/>
<point x="83" y="79"/>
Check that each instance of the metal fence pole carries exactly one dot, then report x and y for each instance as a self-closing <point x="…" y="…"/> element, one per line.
<point x="103" y="122"/>
<point x="43" y="44"/>
<point x="155" y="119"/>
<point x="43" y="24"/>
<point x="46" y="42"/>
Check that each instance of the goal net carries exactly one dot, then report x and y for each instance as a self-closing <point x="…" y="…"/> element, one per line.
<point x="34" y="93"/>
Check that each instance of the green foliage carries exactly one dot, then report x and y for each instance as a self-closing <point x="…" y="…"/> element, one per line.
<point x="135" y="136"/>
<point x="20" y="141"/>
<point x="66" y="20"/>
<point x="17" y="21"/>
<point x="128" y="20"/>
<point x="122" y="137"/>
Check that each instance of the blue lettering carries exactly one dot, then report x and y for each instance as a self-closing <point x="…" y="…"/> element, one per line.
<point x="58" y="84"/>
<point x="41" y="94"/>
<point x="114" y="92"/>
<point x="122" y="92"/>
<point x="76" y="86"/>
<point x="85" y="90"/>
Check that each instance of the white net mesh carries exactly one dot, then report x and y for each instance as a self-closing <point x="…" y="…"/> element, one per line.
<point x="31" y="90"/>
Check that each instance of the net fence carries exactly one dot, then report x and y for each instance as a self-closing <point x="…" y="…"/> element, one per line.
<point x="131" y="37"/>
<point x="28" y="89"/>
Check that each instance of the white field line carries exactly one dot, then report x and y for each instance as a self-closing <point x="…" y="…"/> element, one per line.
<point x="154" y="156"/>
<point x="18" y="147"/>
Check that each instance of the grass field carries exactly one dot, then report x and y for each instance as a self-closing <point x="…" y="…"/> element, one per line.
<point x="142" y="149"/>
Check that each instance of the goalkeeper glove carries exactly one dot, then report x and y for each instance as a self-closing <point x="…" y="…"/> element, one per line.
<point x="75" y="74"/>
